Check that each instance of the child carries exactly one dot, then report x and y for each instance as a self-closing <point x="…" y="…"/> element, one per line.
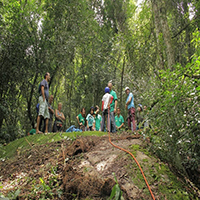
<point x="119" y="120"/>
<point x="32" y="131"/>
<point x="97" y="118"/>
<point x="81" y="119"/>
<point x="90" y="120"/>
<point x="106" y="101"/>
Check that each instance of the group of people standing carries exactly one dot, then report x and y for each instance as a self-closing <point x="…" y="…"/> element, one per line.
<point x="93" y="121"/>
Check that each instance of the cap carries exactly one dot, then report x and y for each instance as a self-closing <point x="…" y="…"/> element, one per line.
<point x="127" y="88"/>
<point x="107" y="90"/>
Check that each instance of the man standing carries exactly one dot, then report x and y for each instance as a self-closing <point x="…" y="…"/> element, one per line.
<point x="43" y="101"/>
<point x="119" y="120"/>
<point x="51" y="112"/>
<point x="131" y="108"/>
<point x="113" y="108"/>
<point x="105" y="107"/>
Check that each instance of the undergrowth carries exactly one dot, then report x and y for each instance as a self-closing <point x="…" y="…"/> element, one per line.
<point x="157" y="174"/>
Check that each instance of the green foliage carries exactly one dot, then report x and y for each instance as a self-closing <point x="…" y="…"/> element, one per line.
<point x="13" y="194"/>
<point x="116" y="191"/>
<point x="84" y="44"/>
<point x="44" y="190"/>
<point x="178" y="138"/>
<point x="21" y="53"/>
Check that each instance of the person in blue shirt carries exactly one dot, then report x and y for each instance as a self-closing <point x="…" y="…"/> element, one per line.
<point x="131" y="109"/>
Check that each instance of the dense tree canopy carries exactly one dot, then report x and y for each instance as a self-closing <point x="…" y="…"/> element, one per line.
<point x="154" y="48"/>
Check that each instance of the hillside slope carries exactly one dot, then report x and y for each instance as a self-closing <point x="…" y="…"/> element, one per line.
<point x="83" y="167"/>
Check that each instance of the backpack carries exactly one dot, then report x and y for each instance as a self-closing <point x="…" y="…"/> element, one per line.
<point x="37" y="108"/>
<point x="39" y="88"/>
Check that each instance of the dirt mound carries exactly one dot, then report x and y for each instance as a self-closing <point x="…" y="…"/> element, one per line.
<point x="31" y="165"/>
<point x="75" y="184"/>
<point x="85" y="144"/>
<point x="32" y="160"/>
<point x="84" y="169"/>
<point x="83" y="185"/>
<point x="80" y="145"/>
<point x="91" y="174"/>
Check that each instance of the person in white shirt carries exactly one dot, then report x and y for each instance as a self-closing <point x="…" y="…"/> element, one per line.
<point x="106" y="101"/>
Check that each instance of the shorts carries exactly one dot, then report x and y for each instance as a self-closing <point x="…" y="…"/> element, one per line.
<point x="90" y="128"/>
<point x="43" y="109"/>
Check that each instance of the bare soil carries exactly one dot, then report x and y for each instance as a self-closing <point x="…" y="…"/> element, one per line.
<point x="91" y="175"/>
<point x="84" y="169"/>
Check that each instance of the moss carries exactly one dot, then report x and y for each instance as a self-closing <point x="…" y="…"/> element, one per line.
<point x="19" y="145"/>
<point x="136" y="147"/>
<point x="161" y="168"/>
<point x="156" y="173"/>
<point x="138" y="180"/>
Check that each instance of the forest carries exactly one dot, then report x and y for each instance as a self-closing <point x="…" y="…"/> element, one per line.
<point x="151" y="46"/>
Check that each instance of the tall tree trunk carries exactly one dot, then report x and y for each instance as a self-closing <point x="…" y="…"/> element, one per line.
<point x="166" y="33"/>
<point x="29" y="102"/>
<point x="161" y="25"/>
<point x="160" y="63"/>
<point x="115" y="69"/>
<point x="53" y="75"/>
<point x="187" y="30"/>
<point x="122" y="78"/>
<point x="72" y="68"/>
<point x="1" y="122"/>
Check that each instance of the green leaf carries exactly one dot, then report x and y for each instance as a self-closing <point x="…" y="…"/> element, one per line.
<point x="113" y="192"/>
<point x="118" y="192"/>
<point x="41" y="180"/>
<point x="17" y="193"/>
<point x="198" y="88"/>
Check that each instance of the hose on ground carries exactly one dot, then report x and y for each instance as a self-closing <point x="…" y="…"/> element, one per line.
<point x="131" y="155"/>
